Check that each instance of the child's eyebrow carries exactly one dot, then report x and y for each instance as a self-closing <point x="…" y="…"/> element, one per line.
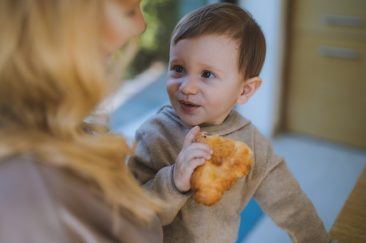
<point x="174" y="61"/>
<point x="210" y="67"/>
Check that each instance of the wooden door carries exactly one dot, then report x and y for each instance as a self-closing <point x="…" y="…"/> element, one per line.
<point x="326" y="70"/>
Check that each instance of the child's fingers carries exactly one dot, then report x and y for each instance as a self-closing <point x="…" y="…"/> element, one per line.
<point x="191" y="136"/>
<point x="194" y="150"/>
<point x="183" y="175"/>
<point x="186" y="170"/>
<point x="195" y="163"/>
<point x="197" y="150"/>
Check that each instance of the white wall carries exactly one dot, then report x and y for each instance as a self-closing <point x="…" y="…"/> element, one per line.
<point x="263" y="109"/>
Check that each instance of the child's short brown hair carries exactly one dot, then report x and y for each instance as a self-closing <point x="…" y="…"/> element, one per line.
<point x="232" y="21"/>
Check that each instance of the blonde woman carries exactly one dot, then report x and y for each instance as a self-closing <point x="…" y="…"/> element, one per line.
<point x="57" y="182"/>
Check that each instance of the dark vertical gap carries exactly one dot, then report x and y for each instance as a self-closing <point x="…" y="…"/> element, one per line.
<point x="283" y="126"/>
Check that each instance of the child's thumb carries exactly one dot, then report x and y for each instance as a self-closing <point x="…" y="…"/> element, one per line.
<point x="191" y="135"/>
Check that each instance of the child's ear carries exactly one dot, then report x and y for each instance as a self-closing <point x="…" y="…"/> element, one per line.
<point x="250" y="86"/>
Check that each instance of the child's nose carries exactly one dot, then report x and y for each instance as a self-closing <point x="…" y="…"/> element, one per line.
<point x="189" y="86"/>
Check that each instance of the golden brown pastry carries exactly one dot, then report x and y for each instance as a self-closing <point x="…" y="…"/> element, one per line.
<point x="230" y="160"/>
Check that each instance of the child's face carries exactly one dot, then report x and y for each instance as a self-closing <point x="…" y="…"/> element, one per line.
<point x="204" y="82"/>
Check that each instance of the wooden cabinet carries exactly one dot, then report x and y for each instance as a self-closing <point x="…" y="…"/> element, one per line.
<point x="326" y="70"/>
<point x="350" y="223"/>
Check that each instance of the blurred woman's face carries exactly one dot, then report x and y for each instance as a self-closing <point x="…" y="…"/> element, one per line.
<point x="123" y="22"/>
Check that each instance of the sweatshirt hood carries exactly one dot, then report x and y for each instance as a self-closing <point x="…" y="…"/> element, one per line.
<point x="233" y="122"/>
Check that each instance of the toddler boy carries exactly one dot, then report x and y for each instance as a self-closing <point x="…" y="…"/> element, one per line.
<point x="216" y="55"/>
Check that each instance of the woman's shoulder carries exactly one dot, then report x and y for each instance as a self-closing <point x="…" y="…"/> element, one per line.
<point x="20" y="172"/>
<point x="87" y="213"/>
<point x="36" y="196"/>
<point x="26" y="204"/>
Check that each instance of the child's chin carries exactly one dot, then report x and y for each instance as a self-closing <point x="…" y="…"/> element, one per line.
<point x="190" y="122"/>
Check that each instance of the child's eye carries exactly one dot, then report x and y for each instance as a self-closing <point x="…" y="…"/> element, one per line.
<point x="178" y="68"/>
<point x="207" y="74"/>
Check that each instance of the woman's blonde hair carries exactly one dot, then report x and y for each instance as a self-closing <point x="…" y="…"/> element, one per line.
<point x="52" y="76"/>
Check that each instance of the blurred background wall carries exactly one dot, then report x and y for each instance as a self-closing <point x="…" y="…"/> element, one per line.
<point x="265" y="106"/>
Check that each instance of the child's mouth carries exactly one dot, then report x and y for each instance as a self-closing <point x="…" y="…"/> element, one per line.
<point x="188" y="106"/>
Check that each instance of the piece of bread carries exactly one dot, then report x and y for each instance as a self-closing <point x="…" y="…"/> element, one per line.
<point x="230" y="160"/>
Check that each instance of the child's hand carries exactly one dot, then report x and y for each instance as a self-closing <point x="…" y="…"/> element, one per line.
<point x="191" y="156"/>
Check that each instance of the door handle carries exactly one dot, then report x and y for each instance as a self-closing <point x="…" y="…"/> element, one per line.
<point x="340" y="20"/>
<point x="338" y="52"/>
